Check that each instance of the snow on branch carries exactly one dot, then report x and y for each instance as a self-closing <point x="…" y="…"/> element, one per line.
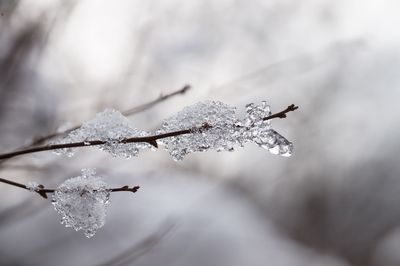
<point x="200" y="127"/>
<point x="204" y="126"/>
<point x="216" y="126"/>
<point x="80" y="200"/>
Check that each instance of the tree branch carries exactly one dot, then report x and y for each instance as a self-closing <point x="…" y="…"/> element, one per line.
<point x="42" y="191"/>
<point x="152" y="140"/>
<point x="128" y="112"/>
<point x="160" y="98"/>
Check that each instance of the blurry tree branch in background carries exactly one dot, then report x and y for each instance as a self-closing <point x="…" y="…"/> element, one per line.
<point x="142" y="248"/>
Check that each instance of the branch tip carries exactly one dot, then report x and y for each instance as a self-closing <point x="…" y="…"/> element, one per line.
<point x="186" y="88"/>
<point x="282" y="114"/>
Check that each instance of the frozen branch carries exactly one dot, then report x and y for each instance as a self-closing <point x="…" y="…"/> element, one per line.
<point x="152" y="139"/>
<point x="42" y="191"/>
<point x="82" y="200"/>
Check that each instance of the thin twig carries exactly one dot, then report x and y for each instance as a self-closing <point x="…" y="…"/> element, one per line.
<point x="160" y="98"/>
<point x="283" y="113"/>
<point x="42" y="191"/>
<point x="128" y="112"/>
<point x="152" y="140"/>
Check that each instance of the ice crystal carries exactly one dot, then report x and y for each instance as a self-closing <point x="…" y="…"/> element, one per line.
<point x="258" y="130"/>
<point x="224" y="129"/>
<point x="82" y="202"/>
<point x="33" y="186"/>
<point x="109" y="126"/>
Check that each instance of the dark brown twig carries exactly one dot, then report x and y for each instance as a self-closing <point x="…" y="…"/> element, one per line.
<point x="42" y="191"/>
<point x="125" y="188"/>
<point x="283" y="113"/>
<point x="152" y="140"/>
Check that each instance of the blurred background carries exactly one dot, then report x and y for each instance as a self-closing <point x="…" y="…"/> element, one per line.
<point x="335" y="202"/>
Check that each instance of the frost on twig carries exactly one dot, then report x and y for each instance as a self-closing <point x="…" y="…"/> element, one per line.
<point x="82" y="202"/>
<point x="218" y="134"/>
<point x="203" y="126"/>
<point x="219" y="128"/>
<point x="109" y="126"/>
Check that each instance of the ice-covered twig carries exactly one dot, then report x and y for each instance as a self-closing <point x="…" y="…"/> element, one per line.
<point x="81" y="200"/>
<point x="151" y="139"/>
<point x="42" y="191"/>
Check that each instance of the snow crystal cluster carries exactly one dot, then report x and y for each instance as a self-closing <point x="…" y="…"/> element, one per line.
<point x="109" y="126"/>
<point x="220" y="135"/>
<point x="33" y="186"/>
<point x="226" y="129"/>
<point x="82" y="202"/>
<point x="214" y="125"/>
<point x="256" y="129"/>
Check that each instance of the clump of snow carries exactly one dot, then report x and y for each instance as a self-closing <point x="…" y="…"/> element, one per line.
<point x="33" y="186"/>
<point x="109" y="126"/>
<point x="225" y="132"/>
<point x="219" y="116"/>
<point x="82" y="202"/>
